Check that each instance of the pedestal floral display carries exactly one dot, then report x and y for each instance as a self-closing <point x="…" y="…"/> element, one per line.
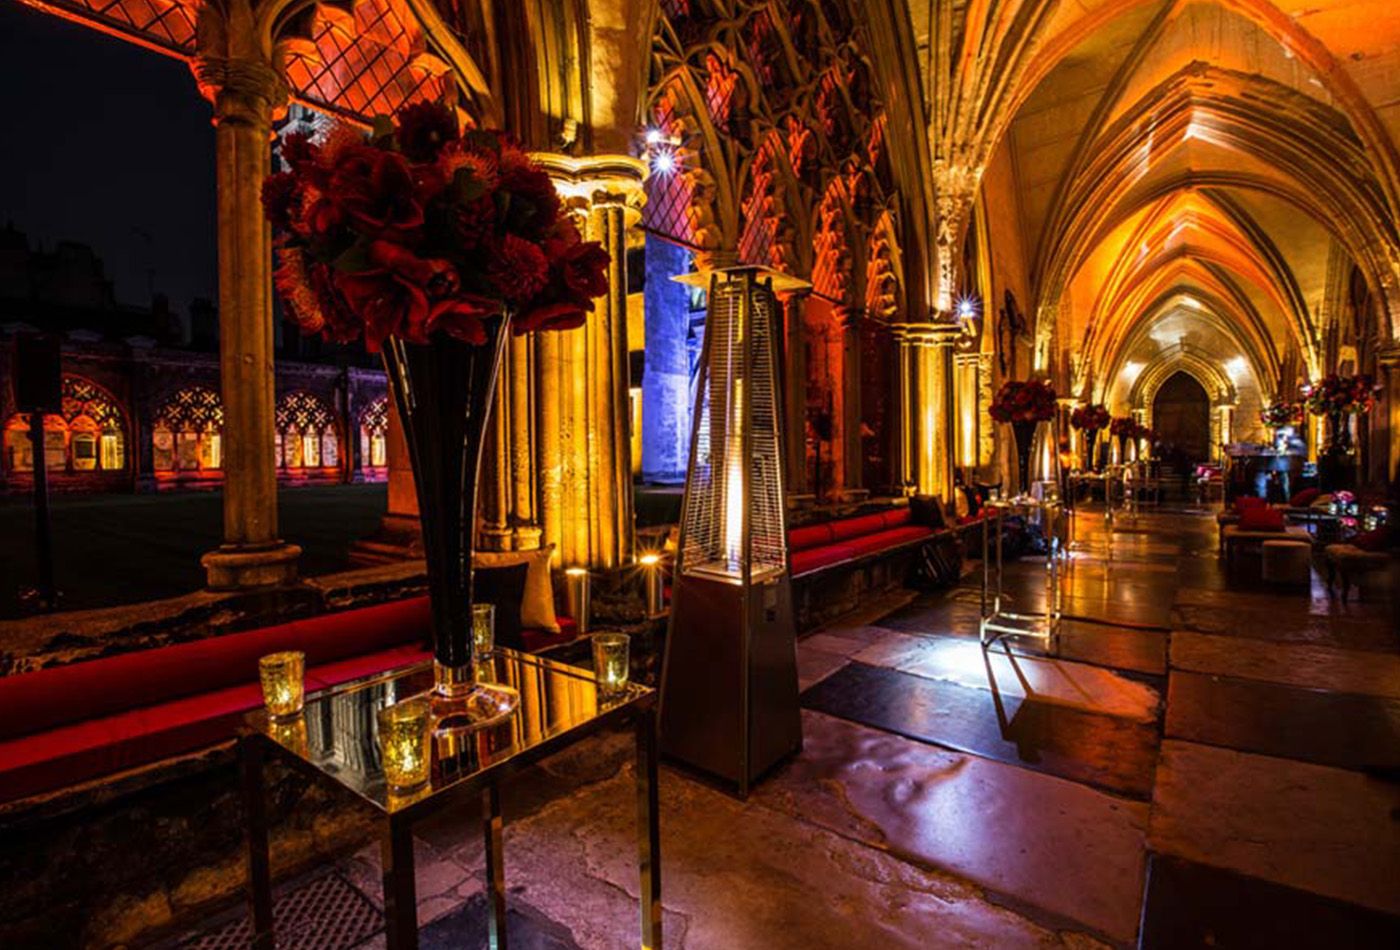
<point x="1025" y="405"/>
<point x="1278" y="416"/>
<point x="1124" y="429"/>
<point x="1338" y="398"/>
<point x="431" y="244"/>
<point x="1090" y="420"/>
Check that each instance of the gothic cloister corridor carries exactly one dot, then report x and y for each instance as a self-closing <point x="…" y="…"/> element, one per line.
<point x="1191" y="764"/>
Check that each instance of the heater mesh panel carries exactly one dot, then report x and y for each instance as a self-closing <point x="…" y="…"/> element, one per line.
<point x="735" y="488"/>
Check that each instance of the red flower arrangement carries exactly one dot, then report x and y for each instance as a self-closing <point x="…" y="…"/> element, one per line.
<point x="1281" y="414"/>
<point x="423" y="229"/>
<point x="1123" y="427"/>
<point x="1346" y="395"/>
<point x="1031" y="400"/>
<point x="1093" y="417"/>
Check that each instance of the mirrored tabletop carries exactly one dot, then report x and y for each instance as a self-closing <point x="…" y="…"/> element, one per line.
<point x="338" y="731"/>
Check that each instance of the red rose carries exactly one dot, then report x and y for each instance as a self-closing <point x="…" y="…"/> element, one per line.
<point x="551" y="316"/>
<point x="373" y="192"/>
<point x="474" y="224"/>
<point x="518" y="269"/>
<point x="387" y="304"/>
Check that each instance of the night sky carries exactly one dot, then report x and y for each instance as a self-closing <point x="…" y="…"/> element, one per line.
<point x="108" y="144"/>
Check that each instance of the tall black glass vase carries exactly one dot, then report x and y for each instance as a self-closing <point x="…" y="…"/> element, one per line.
<point x="443" y="392"/>
<point x="1024" y="434"/>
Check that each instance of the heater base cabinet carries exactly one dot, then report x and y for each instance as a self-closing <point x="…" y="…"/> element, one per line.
<point x="729" y="703"/>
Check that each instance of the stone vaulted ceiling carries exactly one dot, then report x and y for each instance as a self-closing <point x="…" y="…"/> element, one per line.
<point x="1186" y="174"/>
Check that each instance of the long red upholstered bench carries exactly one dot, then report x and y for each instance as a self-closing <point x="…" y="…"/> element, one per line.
<point x="819" y="546"/>
<point x="68" y="724"/>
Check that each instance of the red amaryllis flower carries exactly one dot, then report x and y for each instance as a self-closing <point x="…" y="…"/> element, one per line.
<point x="341" y="323"/>
<point x="474" y="224"/>
<point x="297" y="149"/>
<point x="373" y="191"/>
<point x="424" y="128"/>
<point x="462" y="317"/>
<point x="584" y="271"/>
<point x="388" y="304"/>
<point x="518" y="269"/>
<point x="436" y="277"/>
<point x="562" y="315"/>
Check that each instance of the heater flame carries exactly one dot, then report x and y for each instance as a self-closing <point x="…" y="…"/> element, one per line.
<point x="734" y="481"/>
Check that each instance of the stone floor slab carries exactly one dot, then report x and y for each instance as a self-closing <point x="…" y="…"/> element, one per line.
<point x="1321" y="829"/>
<point x="1058" y="681"/>
<point x="1104" y="751"/>
<point x="1032" y="840"/>
<point x="1342" y="729"/>
<point x="1296" y="664"/>
<point x="1190" y="905"/>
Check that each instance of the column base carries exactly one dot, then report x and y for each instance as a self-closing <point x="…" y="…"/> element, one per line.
<point x="248" y="566"/>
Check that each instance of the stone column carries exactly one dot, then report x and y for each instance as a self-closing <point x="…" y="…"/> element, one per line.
<point x="852" y="450"/>
<point x="245" y="91"/>
<point x="794" y="373"/>
<point x="585" y="498"/>
<point x="931" y="414"/>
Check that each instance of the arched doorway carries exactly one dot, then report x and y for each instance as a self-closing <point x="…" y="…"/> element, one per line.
<point x="1181" y="416"/>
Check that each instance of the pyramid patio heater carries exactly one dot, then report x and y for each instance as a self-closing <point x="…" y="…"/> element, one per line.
<point x="729" y="703"/>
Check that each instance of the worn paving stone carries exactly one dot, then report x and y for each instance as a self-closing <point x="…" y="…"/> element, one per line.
<point x="1344" y="632"/>
<point x="1054" y="849"/>
<point x="1058" y="681"/>
<point x="1321" y="829"/>
<point x="1105" y="751"/>
<point x="740" y="875"/>
<point x="1342" y="729"/>
<point x="813" y="666"/>
<point x="1190" y="905"/>
<point x="1296" y="664"/>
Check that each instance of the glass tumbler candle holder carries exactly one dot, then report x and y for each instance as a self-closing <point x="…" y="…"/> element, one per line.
<point x="405" y="737"/>
<point x="483" y="630"/>
<point x="283" y="684"/>
<point x="610" y="662"/>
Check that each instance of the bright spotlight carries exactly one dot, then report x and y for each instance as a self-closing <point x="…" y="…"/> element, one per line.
<point x="967" y="307"/>
<point x="663" y="162"/>
<point x="654" y="136"/>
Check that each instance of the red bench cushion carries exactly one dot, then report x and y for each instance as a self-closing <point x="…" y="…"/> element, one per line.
<point x="881" y="540"/>
<point x="814" y="559"/>
<point x="848" y="528"/>
<point x="810" y="536"/>
<point x="44" y="699"/>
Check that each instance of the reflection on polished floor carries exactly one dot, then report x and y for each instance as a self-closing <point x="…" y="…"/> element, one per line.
<point x="1197" y="763"/>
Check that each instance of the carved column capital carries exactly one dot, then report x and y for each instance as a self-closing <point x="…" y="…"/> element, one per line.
<point x="595" y="181"/>
<point x="244" y="91"/>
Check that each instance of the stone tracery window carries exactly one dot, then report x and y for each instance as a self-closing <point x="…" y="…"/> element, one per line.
<point x="188" y="432"/>
<point x="306" y="433"/>
<point x="88" y="435"/>
<point x="374" y="434"/>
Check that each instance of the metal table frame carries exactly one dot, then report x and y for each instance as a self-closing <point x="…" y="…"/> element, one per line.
<point x="998" y="621"/>
<point x="396" y="841"/>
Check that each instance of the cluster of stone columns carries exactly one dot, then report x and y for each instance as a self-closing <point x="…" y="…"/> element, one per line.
<point x="926" y="389"/>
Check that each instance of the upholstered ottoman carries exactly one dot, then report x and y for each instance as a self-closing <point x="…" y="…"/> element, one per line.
<point x="1352" y="563"/>
<point x="1287" y="561"/>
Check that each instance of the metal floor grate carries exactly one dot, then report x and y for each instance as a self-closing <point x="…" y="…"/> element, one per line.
<point x="326" y="913"/>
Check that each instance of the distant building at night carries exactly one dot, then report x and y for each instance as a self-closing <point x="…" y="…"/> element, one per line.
<point x="141" y="403"/>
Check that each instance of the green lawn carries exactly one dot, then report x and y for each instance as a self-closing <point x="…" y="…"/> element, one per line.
<point x="116" y="549"/>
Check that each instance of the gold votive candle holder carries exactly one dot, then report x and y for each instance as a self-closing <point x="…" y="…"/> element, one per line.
<point x="652" y="587"/>
<point x="405" y="743"/>
<point x="483" y="630"/>
<point x="577" y="593"/>
<point x="611" y="666"/>
<point x="283" y="683"/>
